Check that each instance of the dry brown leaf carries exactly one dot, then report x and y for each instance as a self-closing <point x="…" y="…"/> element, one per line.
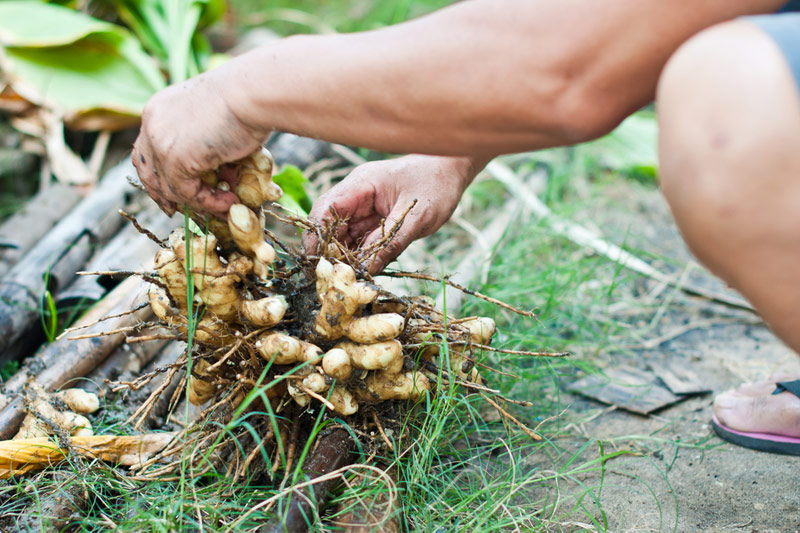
<point x="23" y="455"/>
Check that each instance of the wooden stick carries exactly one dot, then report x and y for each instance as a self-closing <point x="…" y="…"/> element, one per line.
<point x="61" y="252"/>
<point x="40" y="214"/>
<point x="65" y="360"/>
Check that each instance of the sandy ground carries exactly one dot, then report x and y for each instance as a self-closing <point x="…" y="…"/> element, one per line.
<point x="684" y="478"/>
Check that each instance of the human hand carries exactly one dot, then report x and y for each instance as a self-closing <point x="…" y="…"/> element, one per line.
<point x="188" y="129"/>
<point x="384" y="190"/>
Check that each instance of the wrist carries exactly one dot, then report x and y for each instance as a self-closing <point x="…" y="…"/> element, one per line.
<point x="272" y="85"/>
<point x="466" y="167"/>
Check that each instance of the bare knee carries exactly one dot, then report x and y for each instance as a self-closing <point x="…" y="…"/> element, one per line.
<point x="724" y="101"/>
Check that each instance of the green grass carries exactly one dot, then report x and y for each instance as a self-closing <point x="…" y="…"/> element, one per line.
<point x="468" y="469"/>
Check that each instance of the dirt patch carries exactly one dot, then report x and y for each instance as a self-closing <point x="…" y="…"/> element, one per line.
<point x="684" y="478"/>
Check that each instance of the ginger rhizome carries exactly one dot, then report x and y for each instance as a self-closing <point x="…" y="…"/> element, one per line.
<point x="332" y="332"/>
<point x="294" y="332"/>
<point x="57" y="413"/>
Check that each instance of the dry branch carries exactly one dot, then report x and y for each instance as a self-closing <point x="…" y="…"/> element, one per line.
<point x="28" y="225"/>
<point x="59" y="254"/>
<point x="125" y="250"/>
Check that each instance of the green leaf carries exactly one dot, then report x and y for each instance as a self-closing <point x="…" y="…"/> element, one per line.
<point x="292" y="181"/>
<point x="168" y="29"/>
<point x="291" y="204"/>
<point x="42" y="25"/>
<point x="212" y="12"/>
<point x="147" y="23"/>
<point x="86" y="68"/>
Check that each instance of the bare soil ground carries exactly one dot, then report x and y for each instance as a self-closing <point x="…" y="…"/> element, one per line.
<point x="683" y="477"/>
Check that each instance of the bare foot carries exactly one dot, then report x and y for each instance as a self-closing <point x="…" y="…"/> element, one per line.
<point x="752" y="408"/>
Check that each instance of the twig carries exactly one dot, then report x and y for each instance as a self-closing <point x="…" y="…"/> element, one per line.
<point x="380" y="430"/>
<point x="476" y="294"/>
<point x="107" y="333"/>
<point x="157" y="337"/>
<point x="213" y="368"/>
<point x="372" y="250"/>
<point x="479" y="254"/>
<point x="494" y="370"/>
<point x="163" y="243"/>
<point x="316" y="396"/>
<point x="292" y="449"/>
<point x="515" y="352"/>
<point x="115" y="273"/>
<point x="109" y="317"/>
<point x="254" y="452"/>
<point x="509" y="416"/>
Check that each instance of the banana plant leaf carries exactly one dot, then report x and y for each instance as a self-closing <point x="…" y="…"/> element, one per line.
<point x="93" y="72"/>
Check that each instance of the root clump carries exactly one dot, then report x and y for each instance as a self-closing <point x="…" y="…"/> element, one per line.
<point x="287" y="340"/>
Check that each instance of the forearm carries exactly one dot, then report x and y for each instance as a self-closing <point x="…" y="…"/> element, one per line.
<point x="481" y="77"/>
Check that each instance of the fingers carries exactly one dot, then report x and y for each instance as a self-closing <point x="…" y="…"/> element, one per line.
<point x="202" y="197"/>
<point x="413" y="228"/>
<point x="358" y="230"/>
<point x="176" y="144"/>
<point x="352" y="199"/>
<point x="169" y="194"/>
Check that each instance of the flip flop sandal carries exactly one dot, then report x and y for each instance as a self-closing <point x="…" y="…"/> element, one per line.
<point x="764" y="442"/>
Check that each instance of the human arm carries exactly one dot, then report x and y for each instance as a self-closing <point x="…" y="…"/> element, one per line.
<point x="480" y="77"/>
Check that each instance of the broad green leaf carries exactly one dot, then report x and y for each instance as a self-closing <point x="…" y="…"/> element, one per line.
<point x="292" y="181"/>
<point x="87" y="69"/>
<point x="38" y="24"/>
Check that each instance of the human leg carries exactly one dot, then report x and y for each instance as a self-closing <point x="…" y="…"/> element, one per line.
<point x="729" y="112"/>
